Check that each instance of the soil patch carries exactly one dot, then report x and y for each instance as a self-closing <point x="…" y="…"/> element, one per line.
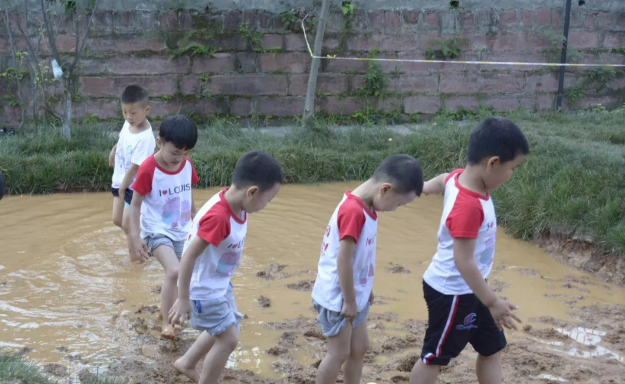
<point x="396" y="268"/>
<point x="148" y="309"/>
<point x="264" y="301"/>
<point x="56" y="370"/>
<point x="273" y="272"/>
<point x="303" y="285"/>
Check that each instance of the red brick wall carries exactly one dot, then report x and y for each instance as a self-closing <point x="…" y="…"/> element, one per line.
<point x="130" y="47"/>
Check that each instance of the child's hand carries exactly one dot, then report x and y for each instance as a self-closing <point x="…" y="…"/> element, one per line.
<point x="137" y="249"/>
<point x="180" y="311"/>
<point x="349" y="310"/>
<point x="501" y="311"/>
<point x="371" y="298"/>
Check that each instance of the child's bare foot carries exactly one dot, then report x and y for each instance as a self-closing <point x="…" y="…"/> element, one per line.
<point x="168" y="332"/>
<point x="189" y="372"/>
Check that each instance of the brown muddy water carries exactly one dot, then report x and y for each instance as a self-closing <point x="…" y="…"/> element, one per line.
<point x="69" y="294"/>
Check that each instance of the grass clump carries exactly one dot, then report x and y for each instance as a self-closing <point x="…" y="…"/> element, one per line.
<point x="572" y="182"/>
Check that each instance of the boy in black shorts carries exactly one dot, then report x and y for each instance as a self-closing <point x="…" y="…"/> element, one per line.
<point x="462" y="308"/>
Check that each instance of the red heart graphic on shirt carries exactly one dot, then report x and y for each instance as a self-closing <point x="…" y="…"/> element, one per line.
<point x="164" y="192"/>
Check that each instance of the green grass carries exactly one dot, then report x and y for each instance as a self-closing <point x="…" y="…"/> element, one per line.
<point x="15" y="369"/>
<point x="572" y="183"/>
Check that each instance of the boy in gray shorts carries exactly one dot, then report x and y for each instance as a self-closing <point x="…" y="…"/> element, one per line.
<point x="162" y="206"/>
<point x="343" y="290"/>
<point x="212" y="253"/>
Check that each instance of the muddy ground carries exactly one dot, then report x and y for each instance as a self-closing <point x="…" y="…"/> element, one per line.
<point x="551" y="351"/>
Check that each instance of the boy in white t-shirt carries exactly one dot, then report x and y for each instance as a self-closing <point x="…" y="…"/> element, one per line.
<point x="462" y="308"/>
<point x="135" y="144"/>
<point x="343" y="290"/>
<point x="163" y="200"/>
<point x="212" y="253"/>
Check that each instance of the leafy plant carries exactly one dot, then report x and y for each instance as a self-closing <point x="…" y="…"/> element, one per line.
<point x="574" y="94"/>
<point x="446" y="49"/>
<point x="11" y="100"/>
<point x="253" y="38"/>
<point x="290" y="21"/>
<point x="375" y="78"/>
<point x="454" y="4"/>
<point x="193" y="49"/>
<point x="347" y="8"/>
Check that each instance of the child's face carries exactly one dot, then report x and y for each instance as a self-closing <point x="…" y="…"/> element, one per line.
<point x="171" y="154"/>
<point x="388" y="199"/>
<point x="256" y="201"/>
<point x="135" y="113"/>
<point x="498" y="173"/>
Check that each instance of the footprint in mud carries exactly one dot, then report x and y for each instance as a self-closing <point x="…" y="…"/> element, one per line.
<point x="302" y="285"/>
<point x="264" y="301"/>
<point x="396" y="268"/>
<point x="58" y="370"/>
<point x="544" y="333"/>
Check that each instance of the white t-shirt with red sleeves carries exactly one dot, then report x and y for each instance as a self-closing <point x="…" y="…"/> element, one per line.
<point x="166" y="208"/>
<point x="225" y="233"/>
<point x="350" y="219"/>
<point x="469" y="215"/>
<point x="132" y="148"/>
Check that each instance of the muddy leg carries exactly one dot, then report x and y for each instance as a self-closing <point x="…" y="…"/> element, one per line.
<point x="217" y="357"/>
<point x="489" y="369"/>
<point x="424" y="374"/>
<point x="187" y="363"/>
<point x="338" y="353"/>
<point x="118" y="210"/>
<point x="167" y="257"/>
<point x="352" y="370"/>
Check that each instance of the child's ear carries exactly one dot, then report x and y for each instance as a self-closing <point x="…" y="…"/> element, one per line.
<point x="251" y="191"/>
<point x="491" y="162"/>
<point x="385" y="187"/>
<point x="148" y="109"/>
<point x="159" y="143"/>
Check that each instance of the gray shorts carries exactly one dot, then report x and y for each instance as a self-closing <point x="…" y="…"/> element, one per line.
<point x="155" y="240"/>
<point x="332" y="322"/>
<point x="215" y="316"/>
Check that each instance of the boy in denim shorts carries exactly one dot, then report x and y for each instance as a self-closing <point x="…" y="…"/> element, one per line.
<point x="343" y="290"/>
<point x="163" y="200"/>
<point x="212" y="253"/>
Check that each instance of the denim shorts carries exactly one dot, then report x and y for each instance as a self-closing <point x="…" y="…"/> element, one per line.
<point x="332" y="322"/>
<point x="215" y="316"/>
<point x="155" y="240"/>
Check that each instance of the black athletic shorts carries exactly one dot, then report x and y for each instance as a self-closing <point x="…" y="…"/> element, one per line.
<point x="454" y="321"/>
<point x="127" y="195"/>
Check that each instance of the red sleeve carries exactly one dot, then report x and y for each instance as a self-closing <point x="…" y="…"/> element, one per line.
<point x="351" y="220"/>
<point x="466" y="217"/>
<point x="214" y="227"/>
<point x="143" y="182"/>
<point x="453" y="173"/>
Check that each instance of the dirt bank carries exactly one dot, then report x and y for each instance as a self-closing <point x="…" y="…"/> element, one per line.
<point x="584" y="255"/>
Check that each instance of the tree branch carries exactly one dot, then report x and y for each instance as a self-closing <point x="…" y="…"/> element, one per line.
<point x="84" y="37"/>
<point x="51" y="36"/>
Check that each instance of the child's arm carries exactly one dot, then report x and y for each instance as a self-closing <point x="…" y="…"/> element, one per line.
<point x="436" y="185"/>
<point x="112" y="156"/>
<point x="136" y="246"/>
<point x="346" y="277"/>
<point x="500" y="309"/>
<point x="181" y="310"/>
<point x="128" y="179"/>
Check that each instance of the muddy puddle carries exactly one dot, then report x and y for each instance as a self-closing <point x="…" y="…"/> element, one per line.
<point x="69" y="295"/>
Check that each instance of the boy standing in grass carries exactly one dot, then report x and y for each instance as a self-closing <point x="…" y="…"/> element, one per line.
<point x="136" y="143"/>
<point x="164" y="201"/>
<point x="343" y="290"/>
<point x="212" y="253"/>
<point x="462" y="308"/>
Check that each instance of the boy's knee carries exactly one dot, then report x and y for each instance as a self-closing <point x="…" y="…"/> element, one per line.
<point x="117" y="220"/>
<point x="172" y="273"/>
<point x="360" y="350"/>
<point x="340" y="354"/>
<point x="230" y="342"/>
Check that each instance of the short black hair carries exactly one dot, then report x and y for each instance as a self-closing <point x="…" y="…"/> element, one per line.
<point x="178" y="130"/>
<point x="496" y="136"/>
<point x="257" y="168"/>
<point x="134" y="94"/>
<point x="3" y="185"/>
<point x="404" y="172"/>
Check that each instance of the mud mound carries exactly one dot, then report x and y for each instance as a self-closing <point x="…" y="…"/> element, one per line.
<point x="273" y="272"/>
<point x="277" y="351"/>
<point x="388" y="317"/>
<point x="56" y="370"/>
<point x="405" y="364"/>
<point x="617" y="337"/>
<point x="571" y="286"/>
<point x="264" y="301"/>
<point x="156" y="289"/>
<point x="118" y="301"/>
<point x="303" y="285"/>
<point x="296" y="323"/>
<point x="551" y="321"/>
<point x="396" y="268"/>
<point x="395" y="343"/>
<point x="531" y="273"/>
<point x="497" y="285"/>
<point x="147" y="309"/>
<point x="545" y="333"/>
